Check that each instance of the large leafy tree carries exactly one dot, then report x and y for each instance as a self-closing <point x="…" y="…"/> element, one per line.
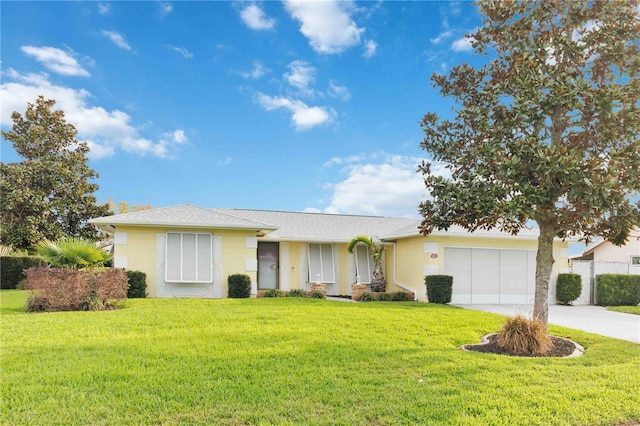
<point x="547" y="131"/>
<point x="49" y="194"/>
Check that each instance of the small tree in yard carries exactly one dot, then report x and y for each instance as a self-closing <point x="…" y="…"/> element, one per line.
<point x="378" y="282"/>
<point x="547" y="132"/>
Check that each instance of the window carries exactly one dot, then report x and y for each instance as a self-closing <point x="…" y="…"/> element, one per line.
<point x="188" y="258"/>
<point x="364" y="267"/>
<point x="635" y="260"/>
<point x="321" y="263"/>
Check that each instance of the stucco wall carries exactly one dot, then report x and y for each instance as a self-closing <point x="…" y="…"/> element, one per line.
<point x="415" y="259"/>
<point x="139" y="252"/>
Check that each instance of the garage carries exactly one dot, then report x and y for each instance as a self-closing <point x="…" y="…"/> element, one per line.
<point x="481" y="276"/>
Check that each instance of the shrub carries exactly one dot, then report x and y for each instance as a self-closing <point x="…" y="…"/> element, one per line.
<point x="439" y="288"/>
<point x="568" y="288"/>
<point x="618" y="290"/>
<point x="524" y="336"/>
<point x="239" y="286"/>
<point x="73" y="253"/>
<point x="64" y="289"/>
<point x="137" y="285"/>
<point x="297" y="292"/>
<point x="12" y="267"/>
<point x="402" y="296"/>
<point x="384" y="297"/>
<point x="367" y="297"/>
<point x="317" y="294"/>
<point x="273" y="292"/>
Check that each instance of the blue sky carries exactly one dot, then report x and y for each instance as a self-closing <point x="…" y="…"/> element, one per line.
<point x="301" y="106"/>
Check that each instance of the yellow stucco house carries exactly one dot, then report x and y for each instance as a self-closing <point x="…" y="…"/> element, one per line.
<point x="189" y="251"/>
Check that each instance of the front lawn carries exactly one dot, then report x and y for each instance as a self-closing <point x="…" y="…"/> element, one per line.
<point x="297" y="361"/>
<point x="626" y="309"/>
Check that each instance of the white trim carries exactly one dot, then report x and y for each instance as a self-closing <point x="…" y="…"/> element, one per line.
<point x="284" y="257"/>
<point x="120" y="262"/>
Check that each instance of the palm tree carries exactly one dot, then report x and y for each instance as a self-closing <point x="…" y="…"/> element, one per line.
<point x="378" y="283"/>
<point x="72" y="253"/>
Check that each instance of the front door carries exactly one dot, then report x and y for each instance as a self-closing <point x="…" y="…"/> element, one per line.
<point x="267" y="265"/>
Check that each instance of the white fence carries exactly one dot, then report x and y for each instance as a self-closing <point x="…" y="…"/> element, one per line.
<point x="588" y="270"/>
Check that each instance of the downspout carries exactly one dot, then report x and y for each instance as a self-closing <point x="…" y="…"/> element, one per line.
<point x="395" y="279"/>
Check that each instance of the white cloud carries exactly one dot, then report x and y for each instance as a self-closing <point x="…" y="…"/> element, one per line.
<point x="303" y="116"/>
<point x="255" y="18"/>
<point x="301" y="76"/>
<point x="326" y="24"/>
<point x="370" y="49"/>
<point x="388" y="188"/>
<point x="179" y="137"/>
<point x="258" y="71"/>
<point x="181" y="50"/>
<point x="104" y="8"/>
<point x="442" y="36"/>
<point x="56" y="60"/>
<point x="165" y="8"/>
<point x="462" y="45"/>
<point x="117" y="39"/>
<point x="336" y="91"/>
<point x="103" y="130"/>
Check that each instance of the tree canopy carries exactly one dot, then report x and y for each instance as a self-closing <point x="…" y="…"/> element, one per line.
<point x="49" y="194"/>
<point x="547" y="131"/>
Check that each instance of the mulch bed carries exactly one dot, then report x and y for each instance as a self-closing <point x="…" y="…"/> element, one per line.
<point x="560" y="347"/>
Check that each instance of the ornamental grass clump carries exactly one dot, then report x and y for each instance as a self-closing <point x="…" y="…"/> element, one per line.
<point x="524" y="336"/>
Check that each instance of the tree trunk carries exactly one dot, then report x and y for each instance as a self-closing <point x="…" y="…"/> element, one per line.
<point x="378" y="283"/>
<point x="544" y="266"/>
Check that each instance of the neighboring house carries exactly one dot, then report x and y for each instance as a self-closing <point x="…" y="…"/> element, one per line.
<point x="604" y="251"/>
<point x="188" y="251"/>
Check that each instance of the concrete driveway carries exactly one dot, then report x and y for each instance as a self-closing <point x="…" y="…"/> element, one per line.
<point x="594" y="319"/>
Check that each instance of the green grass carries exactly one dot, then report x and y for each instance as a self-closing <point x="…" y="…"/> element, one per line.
<point x="626" y="309"/>
<point x="297" y="361"/>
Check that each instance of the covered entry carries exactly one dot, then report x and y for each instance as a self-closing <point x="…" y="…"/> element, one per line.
<point x="491" y="275"/>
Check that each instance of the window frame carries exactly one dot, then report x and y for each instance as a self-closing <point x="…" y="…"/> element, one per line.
<point x="197" y="259"/>
<point x="369" y="276"/>
<point x="313" y="279"/>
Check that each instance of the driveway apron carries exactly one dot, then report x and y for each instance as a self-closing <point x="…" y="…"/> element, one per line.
<point x="593" y="319"/>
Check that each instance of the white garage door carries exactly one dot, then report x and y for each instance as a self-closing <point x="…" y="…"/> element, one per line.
<point x="491" y="275"/>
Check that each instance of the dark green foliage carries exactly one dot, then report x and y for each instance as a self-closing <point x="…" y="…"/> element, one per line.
<point x="398" y="296"/>
<point x="317" y="294"/>
<point x="11" y="268"/>
<point x="239" y="286"/>
<point x="49" y="194"/>
<point x="367" y="297"/>
<point x="137" y="285"/>
<point x="568" y="288"/>
<point x="273" y="292"/>
<point x="618" y="290"/>
<point x="439" y="288"/>
<point x="401" y="296"/>
<point x="384" y="297"/>
<point x="296" y="293"/>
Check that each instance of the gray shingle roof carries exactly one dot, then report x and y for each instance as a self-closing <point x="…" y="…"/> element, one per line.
<point x="290" y="226"/>
<point x="184" y="215"/>
<point x="319" y="227"/>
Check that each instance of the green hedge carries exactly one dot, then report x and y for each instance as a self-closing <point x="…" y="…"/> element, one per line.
<point x="398" y="296"/>
<point x="137" y="285"/>
<point x="11" y="268"/>
<point x="239" y="286"/>
<point x="439" y="288"/>
<point x="568" y="288"/>
<point x="618" y="290"/>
